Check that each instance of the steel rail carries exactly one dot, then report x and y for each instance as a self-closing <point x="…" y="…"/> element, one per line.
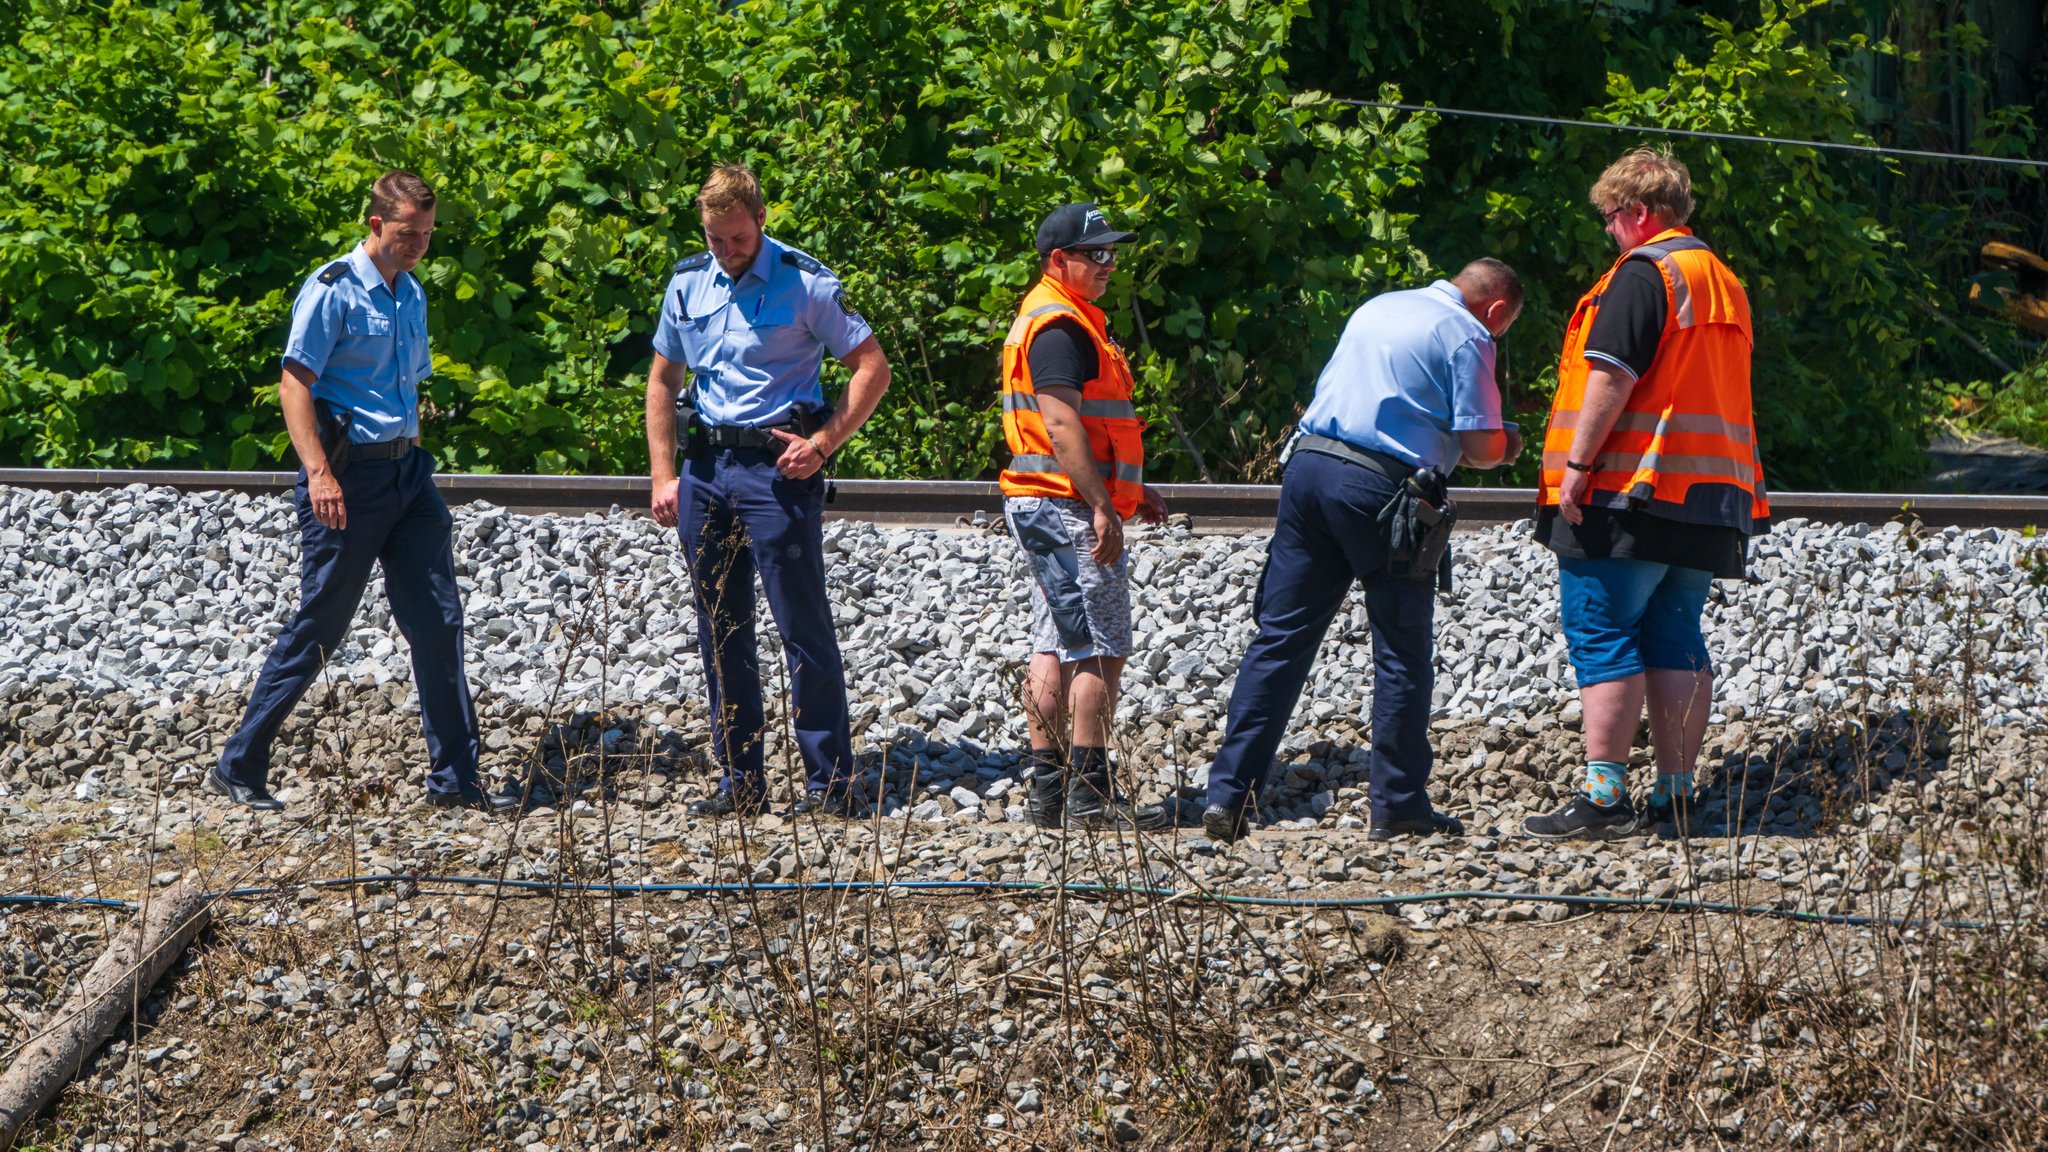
<point x="1213" y="506"/>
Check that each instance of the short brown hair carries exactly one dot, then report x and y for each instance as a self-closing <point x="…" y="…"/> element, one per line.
<point x="394" y="189"/>
<point x="730" y="186"/>
<point x="1651" y="177"/>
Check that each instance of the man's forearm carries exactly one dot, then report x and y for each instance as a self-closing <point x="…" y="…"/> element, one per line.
<point x="864" y="392"/>
<point x="1071" y="448"/>
<point x="661" y="428"/>
<point x="1605" y="397"/>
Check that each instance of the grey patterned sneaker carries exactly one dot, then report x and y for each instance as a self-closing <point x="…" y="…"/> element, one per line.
<point x="1581" y="819"/>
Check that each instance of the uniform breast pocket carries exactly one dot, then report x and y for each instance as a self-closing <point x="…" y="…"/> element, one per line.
<point x="366" y="322"/>
<point x="421" y="358"/>
<point x="768" y="327"/>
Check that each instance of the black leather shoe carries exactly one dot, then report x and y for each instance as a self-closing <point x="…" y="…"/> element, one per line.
<point x="843" y="803"/>
<point x="255" y="799"/>
<point x="1435" y="824"/>
<point x="1221" y="826"/>
<point x="722" y="804"/>
<point x="473" y="796"/>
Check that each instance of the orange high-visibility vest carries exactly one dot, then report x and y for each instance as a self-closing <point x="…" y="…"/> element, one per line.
<point x="1116" y="437"/>
<point x="1684" y="447"/>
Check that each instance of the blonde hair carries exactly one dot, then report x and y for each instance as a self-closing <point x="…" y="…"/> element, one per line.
<point x="730" y="186"/>
<point x="1651" y="177"/>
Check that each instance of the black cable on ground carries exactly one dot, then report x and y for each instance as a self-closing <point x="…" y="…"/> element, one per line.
<point x="1029" y="887"/>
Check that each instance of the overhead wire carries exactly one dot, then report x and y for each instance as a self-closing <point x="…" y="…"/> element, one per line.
<point x="1698" y="133"/>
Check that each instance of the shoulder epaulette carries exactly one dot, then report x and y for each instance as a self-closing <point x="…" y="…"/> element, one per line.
<point x="690" y="263"/>
<point x="333" y="273"/>
<point x="800" y="261"/>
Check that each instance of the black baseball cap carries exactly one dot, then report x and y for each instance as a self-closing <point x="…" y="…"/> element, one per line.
<point x="1077" y="226"/>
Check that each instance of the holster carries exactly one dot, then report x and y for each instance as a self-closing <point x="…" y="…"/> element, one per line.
<point x="1416" y="524"/>
<point x="689" y="430"/>
<point x="334" y="425"/>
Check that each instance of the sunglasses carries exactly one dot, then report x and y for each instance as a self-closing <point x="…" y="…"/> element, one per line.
<point x="1100" y="257"/>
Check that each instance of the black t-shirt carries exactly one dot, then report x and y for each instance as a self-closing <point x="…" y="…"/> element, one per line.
<point x="1062" y="355"/>
<point x="1626" y="332"/>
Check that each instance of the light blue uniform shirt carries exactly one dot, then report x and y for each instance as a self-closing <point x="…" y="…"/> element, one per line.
<point x="755" y="344"/>
<point x="365" y="345"/>
<point x="1412" y="370"/>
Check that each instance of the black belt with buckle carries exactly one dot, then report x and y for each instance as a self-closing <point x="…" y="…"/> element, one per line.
<point x="384" y="450"/>
<point x="744" y="436"/>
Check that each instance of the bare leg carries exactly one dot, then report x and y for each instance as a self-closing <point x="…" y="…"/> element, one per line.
<point x="1679" y="702"/>
<point x="1614" y="709"/>
<point x="1045" y="702"/>
<point x="1092" y="694"/>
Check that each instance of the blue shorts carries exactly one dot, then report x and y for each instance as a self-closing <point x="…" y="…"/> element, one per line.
<point x="1624" y="616"/>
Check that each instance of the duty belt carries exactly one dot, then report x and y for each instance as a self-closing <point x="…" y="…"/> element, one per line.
<point x="1392" y="467"/>
<point x="743" y="436"/>
<point x="383" y="450"/>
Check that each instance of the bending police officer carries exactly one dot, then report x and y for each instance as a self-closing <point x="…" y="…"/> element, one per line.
<point x="750" y="320"/>
<point x="1411" y="386"/>
<point x="350" y="393"/>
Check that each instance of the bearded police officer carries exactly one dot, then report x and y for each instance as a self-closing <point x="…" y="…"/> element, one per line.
<point x="350" y="393"/>
<point x="1410" y="392"/>
<point x="750" y="321"/>
<point x="1076" y="474"/>
<point x="1652" y="487"/>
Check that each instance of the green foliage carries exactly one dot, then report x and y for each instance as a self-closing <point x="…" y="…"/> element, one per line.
<point x="2016" y="406"/>
<point x="176" y="170"/>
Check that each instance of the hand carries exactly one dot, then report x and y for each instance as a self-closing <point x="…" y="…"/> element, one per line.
<point x="1152" y="507"/>
<point x="1109" y="536"/>
<point x="1514" y="446"/>
<point x="325" y="492"/>
<point x="667" y="491"/>
<point x="1571" y="495"/>
<point x="800" y="456"/>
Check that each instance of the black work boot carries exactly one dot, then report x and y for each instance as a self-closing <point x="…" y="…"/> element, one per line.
<point x="1046" y="802"/>
<point x="1092" y="801"/>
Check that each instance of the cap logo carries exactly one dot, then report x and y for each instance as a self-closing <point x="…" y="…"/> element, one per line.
<point x="1093" y="221"/>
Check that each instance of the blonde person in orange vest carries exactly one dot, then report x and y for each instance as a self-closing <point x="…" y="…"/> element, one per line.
<point x="1651" y="489"/>
<point x="1077" y="472"/>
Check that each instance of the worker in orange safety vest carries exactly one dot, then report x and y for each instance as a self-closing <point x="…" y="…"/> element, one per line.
<point x="1077" y="472"/>
<point x="1651" y="488"/>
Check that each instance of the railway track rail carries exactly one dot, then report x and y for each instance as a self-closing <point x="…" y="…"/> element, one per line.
<point x="1214" y="507"/>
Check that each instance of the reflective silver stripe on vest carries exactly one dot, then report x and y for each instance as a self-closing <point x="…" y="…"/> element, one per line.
<point x="1115" y="469"/>
<point x="1020" y="401"/>
<point x="1109" y="409"/>
<point x="1631" y="462"/>
<point x="1681" y="292"/>
<point x="1699" y="423"/>
<point x="1023" y="321"/>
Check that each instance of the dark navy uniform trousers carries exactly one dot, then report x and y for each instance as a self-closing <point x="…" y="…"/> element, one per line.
<point x="1327" y="538"/>
<point x="396" y="516"/>
<point x="739" y="517"/>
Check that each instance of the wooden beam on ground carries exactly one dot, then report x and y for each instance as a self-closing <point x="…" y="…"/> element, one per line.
<point x="136" y="958"/>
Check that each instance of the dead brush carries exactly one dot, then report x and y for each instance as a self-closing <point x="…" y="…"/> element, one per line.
<point x="1923" y="1036"/>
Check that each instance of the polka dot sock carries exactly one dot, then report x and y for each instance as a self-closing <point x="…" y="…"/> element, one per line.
<point x="1606" y="782"/>
<point x="1671" y="786"/>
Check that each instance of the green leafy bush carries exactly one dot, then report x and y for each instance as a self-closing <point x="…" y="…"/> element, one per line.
<point x="177" y="169"/>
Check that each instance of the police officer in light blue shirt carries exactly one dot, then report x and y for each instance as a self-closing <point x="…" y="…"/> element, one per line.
<point x="749" y="322"/>
<point x="1411" y="385"/>
<point x="350" y="393"/>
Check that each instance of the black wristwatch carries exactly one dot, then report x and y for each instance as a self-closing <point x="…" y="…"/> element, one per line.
<point x="1575" y="466"/>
